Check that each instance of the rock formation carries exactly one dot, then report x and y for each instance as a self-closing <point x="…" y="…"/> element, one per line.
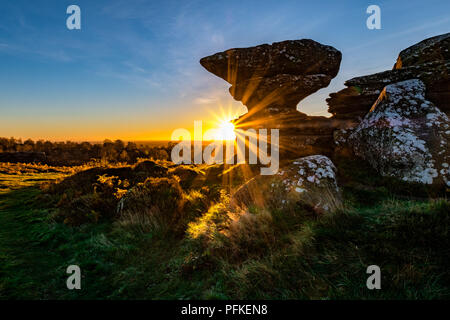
<point x="309" y="180"/>
<point x="274" y="78"/>
<point x="271" y="80"/>
<point x="395" y="119"/>
<point x="405" y="136"/>
<point x="428" y="60"/>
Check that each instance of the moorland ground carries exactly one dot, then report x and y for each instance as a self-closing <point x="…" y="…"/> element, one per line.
<point x="196" y="248"/>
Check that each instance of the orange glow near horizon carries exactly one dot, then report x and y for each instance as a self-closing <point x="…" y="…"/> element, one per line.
<point x="136" y="128"/>
<point x="218" y="126"/>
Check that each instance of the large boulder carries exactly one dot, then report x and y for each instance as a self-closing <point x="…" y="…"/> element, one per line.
<point x="428" y="50"/>
<point x="428" y="60"/>
<point x="277" y="75"/>
<point x="405" y="136"/>
<point x="271" y="80"/>
<point x="308" y="181"/>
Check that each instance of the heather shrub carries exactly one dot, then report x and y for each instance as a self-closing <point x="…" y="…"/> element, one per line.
<point x="155" y="204"/>
<point x="76" y="208"/>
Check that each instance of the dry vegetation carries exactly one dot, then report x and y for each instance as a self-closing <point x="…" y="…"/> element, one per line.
<point x="156" y="230"/>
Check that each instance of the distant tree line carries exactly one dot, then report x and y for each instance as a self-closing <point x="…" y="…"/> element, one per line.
<point x="78" y="153"/>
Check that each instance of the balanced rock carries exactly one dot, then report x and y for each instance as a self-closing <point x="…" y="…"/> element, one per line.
<point x="428" y="60"/>
<point x="309" y="180"/>
<point x="404" y="135"/>
<point x="275" y="76"/>
<point x="271" y="80"/>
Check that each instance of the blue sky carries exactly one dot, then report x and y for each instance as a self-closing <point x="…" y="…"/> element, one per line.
<point x="132" y="71"/>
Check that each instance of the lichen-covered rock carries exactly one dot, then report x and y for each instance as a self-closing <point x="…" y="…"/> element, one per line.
<point x="428" y="60"/>
<point x="271" y="80"/>
<point x="341" y="145"/>
<point x="290" y="57"/>
<point x="405" y="136"/>
<point x="356" y="100"/>
<point x="428" y="50"/>
<point x="309" y="180"/>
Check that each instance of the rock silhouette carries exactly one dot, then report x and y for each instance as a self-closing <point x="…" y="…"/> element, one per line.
<point x="274" y="78"/>
<point x="271" y="80"/>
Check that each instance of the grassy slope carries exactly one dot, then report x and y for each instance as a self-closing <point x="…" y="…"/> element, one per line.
<point x="312" y="258"/>
<point x="115" y="263"/>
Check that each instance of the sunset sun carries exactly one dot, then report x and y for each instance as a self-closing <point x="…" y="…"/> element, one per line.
<point x="225" y="131"/>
